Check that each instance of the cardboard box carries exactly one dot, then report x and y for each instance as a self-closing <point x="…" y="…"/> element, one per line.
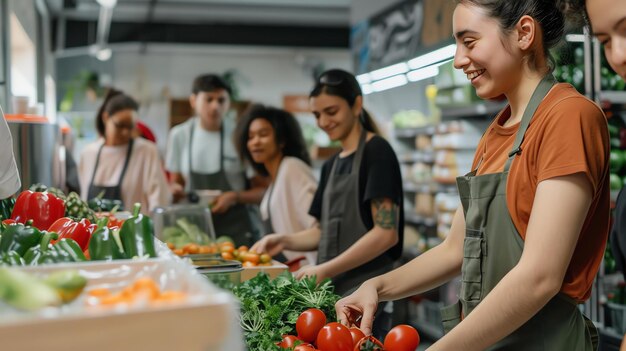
<point x="273" y="271"/>
<point x="205" y="321"/>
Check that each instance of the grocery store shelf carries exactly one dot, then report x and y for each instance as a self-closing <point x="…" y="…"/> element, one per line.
<point x="480" y="109"/>
<point x="418" y="156"/>
<point x="412" y="132"/>
<point x="614" y="97"/>
<point x="447" y="188"/>
<point x="417" y="188"/>
<point x="413" y="218"/>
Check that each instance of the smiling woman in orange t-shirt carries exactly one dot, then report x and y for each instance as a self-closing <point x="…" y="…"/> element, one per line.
<point x="532" y="229"/>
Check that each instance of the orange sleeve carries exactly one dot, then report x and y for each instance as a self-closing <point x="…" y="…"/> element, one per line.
<point x="575" y="140"/>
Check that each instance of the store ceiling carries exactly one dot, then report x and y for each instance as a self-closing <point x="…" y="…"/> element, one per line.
<point x="305" y="23"/>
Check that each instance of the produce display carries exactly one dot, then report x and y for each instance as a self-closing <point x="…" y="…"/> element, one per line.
<point x="617" y="157"/>
<point x="270" y="308"/>
<point x="185" y="233"/>
<point x="27" y="292"/>
<point x="37" y="233"/>
<point x="142" y="291"/>
<point x="224" y="246"/>
<point x="315" y="334"/>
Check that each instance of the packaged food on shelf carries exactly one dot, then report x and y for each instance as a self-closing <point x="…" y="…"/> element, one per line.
<point x="423" y="142"/>
<point x="421" y="173"/>
<point x="460" y="159"/>
<point x="447" y="202"/>
<point x="425" y="204"/>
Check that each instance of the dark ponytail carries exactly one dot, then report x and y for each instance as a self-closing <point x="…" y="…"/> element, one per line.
<point x="343" y="84"/>
<point x="114" y="101"/>
<point x="368" y="122"/>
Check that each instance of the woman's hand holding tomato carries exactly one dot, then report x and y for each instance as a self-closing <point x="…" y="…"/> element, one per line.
<point x="361" y="305"/>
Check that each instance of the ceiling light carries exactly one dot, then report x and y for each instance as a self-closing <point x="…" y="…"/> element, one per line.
<point x="389" y="83"/>
<point x="107" y="3"/>
<point x="423" y="73"/>
<point x="438" y="55"/>
<point x="364" y="78"/>
<point x="367" y="89"/>
<point x="389" y="71"/>
<point x="104" y="54"/>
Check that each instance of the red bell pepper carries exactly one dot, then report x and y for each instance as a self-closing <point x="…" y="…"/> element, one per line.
<point x="42" y="208"/>
<point x="77" y="231"/>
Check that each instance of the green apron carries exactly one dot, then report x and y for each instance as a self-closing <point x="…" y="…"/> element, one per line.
<point x="493" y="247"/>
<point x="236" y="221"/>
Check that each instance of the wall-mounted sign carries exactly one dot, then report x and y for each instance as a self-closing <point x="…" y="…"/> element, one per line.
<point x="400" y="33"/>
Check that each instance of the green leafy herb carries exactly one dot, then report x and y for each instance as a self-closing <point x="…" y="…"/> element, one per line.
<point x="270" y="308"/>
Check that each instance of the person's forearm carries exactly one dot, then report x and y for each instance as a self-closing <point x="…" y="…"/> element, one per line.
<point x="497" y="316"/>
<point x="369" y="246"/>
<point x="431" y="269"/>
<point x="428" y="271"/>
<point x="306" y="240"/>
<point x="251" y="196"/>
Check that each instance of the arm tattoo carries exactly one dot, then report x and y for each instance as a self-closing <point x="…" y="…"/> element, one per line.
<point x="385" y="215"/>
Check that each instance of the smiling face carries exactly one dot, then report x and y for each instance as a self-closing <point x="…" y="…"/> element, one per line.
<point x="262" y="141"/>
<point x="608" y="22"/>
<point x="334" y="116"/>
<point x="486" y="55"/>
<point x="118" y="128"/>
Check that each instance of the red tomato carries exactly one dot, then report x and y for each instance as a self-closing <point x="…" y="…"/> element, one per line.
<point x="402" y="338"/>
<point x="305" y="347"/>
<point x="289" y="341"/>
<point x="334" y="337"/>
<point x="309" y="324"/>
<point x="357" y="335"/>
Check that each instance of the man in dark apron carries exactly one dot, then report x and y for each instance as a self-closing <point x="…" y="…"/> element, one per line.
<point x="235" y="222"/>
<point x="559" y="325"/>
<point x="231" y="215"/>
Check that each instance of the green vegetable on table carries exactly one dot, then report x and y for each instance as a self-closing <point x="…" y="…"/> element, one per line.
<point x="270" y="308"/>
<point x="137" y="235"/>
<point x="103" y="244"/>
<point x="19" y="238"/>
<point x="28" y="292"/>
<point x="184" y="233"/>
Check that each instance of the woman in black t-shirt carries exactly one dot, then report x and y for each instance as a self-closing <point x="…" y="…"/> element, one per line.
<point x="358" y="203"/>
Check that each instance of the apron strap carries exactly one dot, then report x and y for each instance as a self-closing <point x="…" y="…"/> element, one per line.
<point x="95" y="168"/>
<point x="126" y="162"/>
<point x="191" y="153"/>
<point x="128" y="154"/>
<point x="269" y="207"/>
<point x="535" y="100"/>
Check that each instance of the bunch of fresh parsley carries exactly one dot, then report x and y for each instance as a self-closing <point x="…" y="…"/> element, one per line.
<point x="270" y="308"/>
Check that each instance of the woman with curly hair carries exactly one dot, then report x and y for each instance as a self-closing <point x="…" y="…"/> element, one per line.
<point x="271" y="141"/>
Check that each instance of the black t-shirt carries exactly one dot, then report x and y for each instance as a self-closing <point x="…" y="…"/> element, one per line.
<point x="379" y="177"/>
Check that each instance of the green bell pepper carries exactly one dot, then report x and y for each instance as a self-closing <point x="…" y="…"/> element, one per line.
<point x="32" y="257"/>
<point x="19" y="238"/>
<point x="102" y="245"/>
<point x="137" y="235"/>
<point x="12" y="258"/>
